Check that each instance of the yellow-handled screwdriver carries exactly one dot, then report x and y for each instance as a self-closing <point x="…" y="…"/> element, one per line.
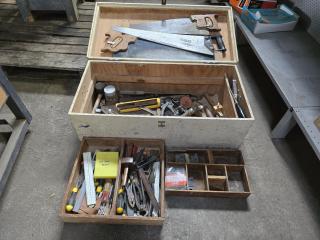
<point x="72" y="199"/>
<point x="120" y="202"/>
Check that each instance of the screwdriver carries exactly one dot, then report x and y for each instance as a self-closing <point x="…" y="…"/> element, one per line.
<point x="72" y="199"/>
<point x="120" y="202"/>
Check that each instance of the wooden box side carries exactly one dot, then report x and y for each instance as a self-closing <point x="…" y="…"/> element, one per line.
<point x="83" y="96"/>
<point x="123" y="14"/>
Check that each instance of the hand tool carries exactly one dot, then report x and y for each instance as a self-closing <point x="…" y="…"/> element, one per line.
<point x="218" y="109"/>
<point x="120" y="202"/>
<point x="168" y="104"/>
<point x="235" y="96"/>
<point x="129" y="210"/>
<point x="72" y="199"/>
<point x="153" y="113"/>
<point x="156" y="184"/>
<point x="116" y="42"/>
<point x="138" y="192"/>
<point x="88" y="174"/>
<point x="99" y="189"/>
<point x="99" y="86"/>
<point x="79" y="199"/>
<point x="110" y="94"/>
<point x="216" y="106"/>
<point x="134" y="106"/>
<point x="103" y="210"/>
<point x="197" y="44"/>
<point x="147" y="162"/>
<point x="142" y="176"/>
<point x="110" y="200"/>
<point x="200" y="25"/>
<point x="90" y="210"/>
<point x="192" y="110"/>
<point x="208" y="112"/>
<point x="234" y="88"/>
<point x="130" y="195"/>
<point x="195" y="25"/>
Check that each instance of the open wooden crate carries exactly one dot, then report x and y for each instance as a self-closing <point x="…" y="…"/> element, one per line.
<point x="177" y="131"/>
<point x="123" y="14"/>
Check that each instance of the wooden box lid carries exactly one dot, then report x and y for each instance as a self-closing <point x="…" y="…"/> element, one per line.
<point x="107" y="15"/>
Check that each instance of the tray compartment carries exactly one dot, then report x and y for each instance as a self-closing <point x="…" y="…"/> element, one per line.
<point x="217" y="177"/>
<point x="197" y="179"/>
<point x="237" y="179"/>
<point x="189" y="156"/>
<point x="113" y="144"/>
<point x="227" y="156"/>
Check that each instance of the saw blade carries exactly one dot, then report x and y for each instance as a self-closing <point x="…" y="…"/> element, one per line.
<point x="178" y="26"/>
<point x="185" y="42"/>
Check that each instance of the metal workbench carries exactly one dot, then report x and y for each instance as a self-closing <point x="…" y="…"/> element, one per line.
<point x="292" y="61"/>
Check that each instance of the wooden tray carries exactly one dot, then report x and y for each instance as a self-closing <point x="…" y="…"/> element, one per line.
<point x="92" y="144"/>
<point x="213" y="173"/>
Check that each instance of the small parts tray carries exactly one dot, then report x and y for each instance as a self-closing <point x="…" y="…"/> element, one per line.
<point x="207" y="173"/>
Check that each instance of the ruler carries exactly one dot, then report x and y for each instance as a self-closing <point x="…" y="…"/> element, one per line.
<point x="88" y="174"/>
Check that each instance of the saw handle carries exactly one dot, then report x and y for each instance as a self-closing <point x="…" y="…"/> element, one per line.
<point x="208" y="22"/>
<point x="116" y="42"/>
<point x="208" y="42"/>
<point x="220" y="43"/>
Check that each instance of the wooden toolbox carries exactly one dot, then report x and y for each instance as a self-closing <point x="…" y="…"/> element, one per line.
<point x="209" y="173"/>
<point x="161" y="70"/>
<point x="153" y="71"/>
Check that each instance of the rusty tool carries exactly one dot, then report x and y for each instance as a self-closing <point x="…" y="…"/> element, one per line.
<point x="186" y="102"/>
<point x="138" y="159"/>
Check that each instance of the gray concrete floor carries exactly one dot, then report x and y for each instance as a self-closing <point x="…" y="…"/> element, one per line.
<point x="284" y="175"/>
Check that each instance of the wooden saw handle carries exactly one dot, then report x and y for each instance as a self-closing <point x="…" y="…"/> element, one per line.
<point x="116" y="42"/>
<point x="208" y="22"/>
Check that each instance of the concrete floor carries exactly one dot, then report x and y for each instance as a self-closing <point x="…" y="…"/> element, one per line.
<point x="284" y="175"/>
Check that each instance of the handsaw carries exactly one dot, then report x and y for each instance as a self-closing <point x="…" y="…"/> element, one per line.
<point x="195" y="25"/>
<point x="197" y="44"/>
<point x="203" y="25"/>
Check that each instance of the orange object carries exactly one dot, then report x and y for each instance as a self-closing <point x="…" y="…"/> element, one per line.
<point x="239" y="4"/>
